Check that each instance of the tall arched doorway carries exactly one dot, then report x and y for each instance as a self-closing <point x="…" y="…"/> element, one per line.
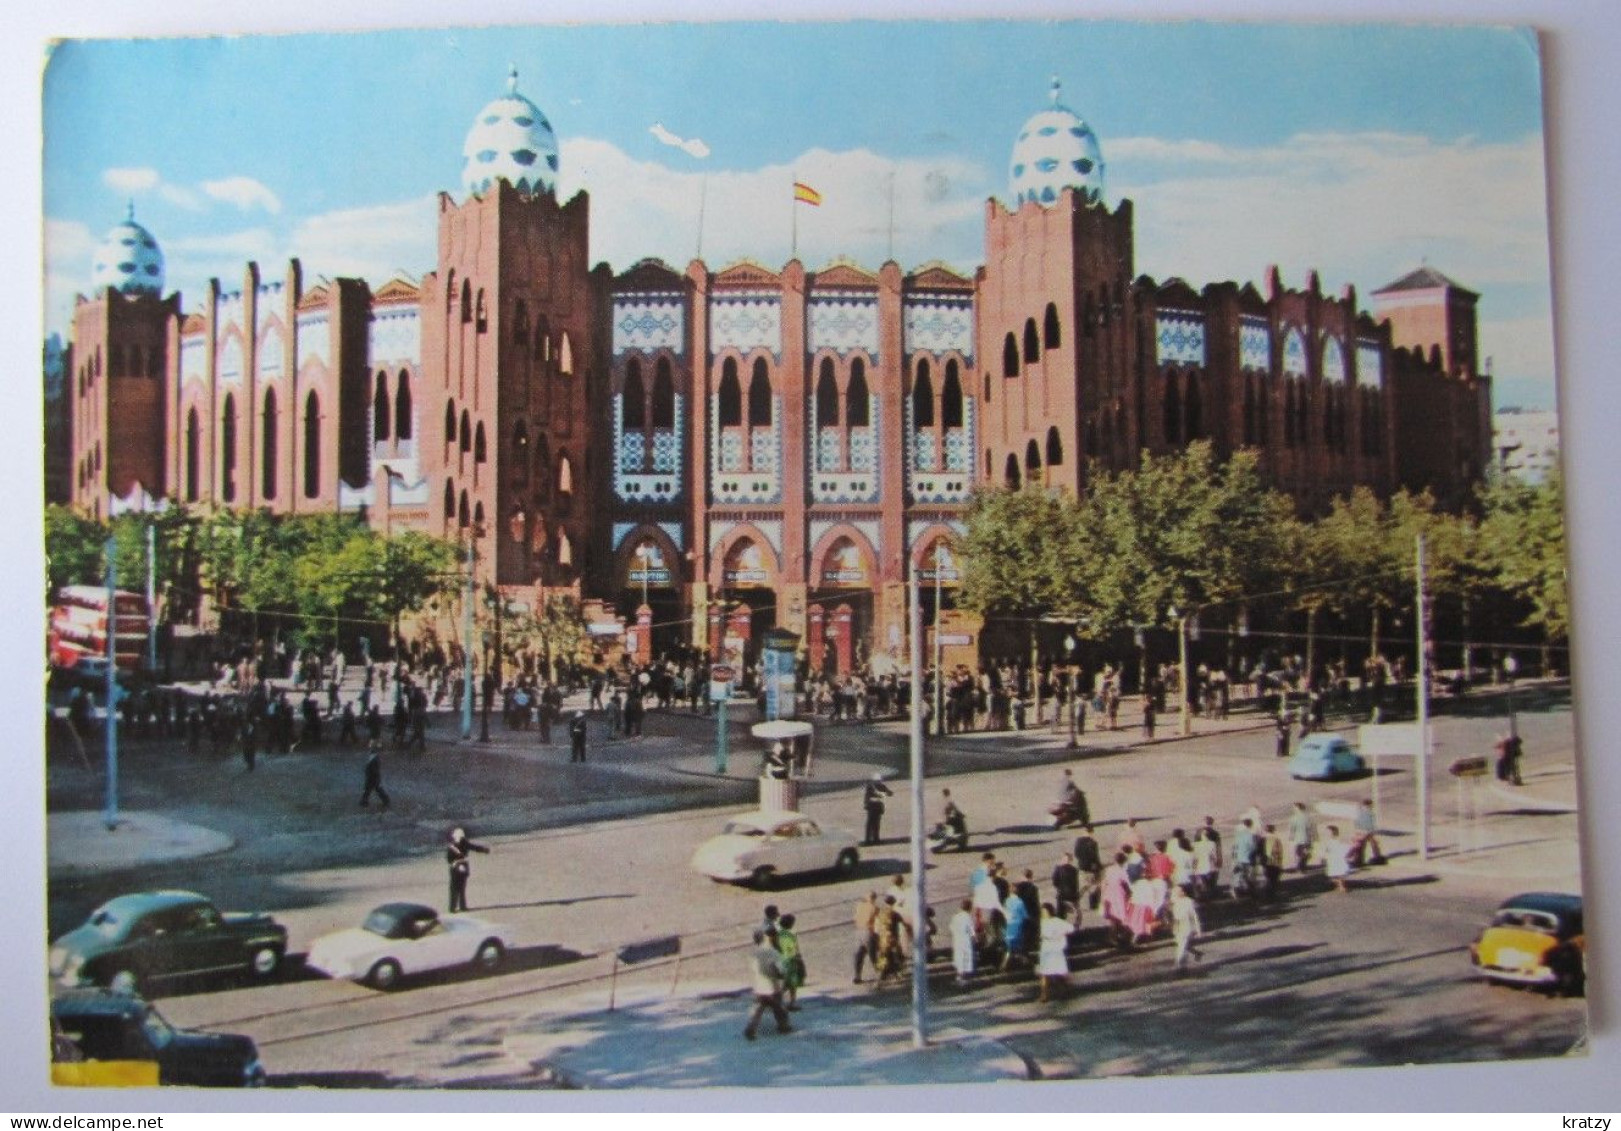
<point x="840" y="613"/>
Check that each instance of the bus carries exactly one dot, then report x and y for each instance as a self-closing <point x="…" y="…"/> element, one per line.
<point x="79" y="626"/>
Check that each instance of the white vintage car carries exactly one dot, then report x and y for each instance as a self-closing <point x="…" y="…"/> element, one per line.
<point x="398" y="939"/>
<point x="761" y="846"/>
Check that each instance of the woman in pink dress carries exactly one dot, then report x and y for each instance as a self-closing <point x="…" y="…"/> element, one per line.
<point x="1115" y="900"/>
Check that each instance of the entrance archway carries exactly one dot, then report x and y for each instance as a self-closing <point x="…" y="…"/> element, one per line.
<point x="647" y="566"/>
<point x="745" y="583"/>
<point x="840" y="613"/>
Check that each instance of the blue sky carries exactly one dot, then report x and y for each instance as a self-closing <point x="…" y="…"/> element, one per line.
<point x="1358" y="150"/>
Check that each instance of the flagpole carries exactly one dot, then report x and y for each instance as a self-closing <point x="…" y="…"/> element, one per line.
<point x="703" y="192"/>
<point x="793" y="204"/>
<point x="891" y="255"/>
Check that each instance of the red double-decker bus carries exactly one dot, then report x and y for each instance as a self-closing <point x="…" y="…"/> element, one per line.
<point x="80" y="623"/>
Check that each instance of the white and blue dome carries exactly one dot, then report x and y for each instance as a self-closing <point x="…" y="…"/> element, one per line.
<point x="1056" y="150"/>
<point x="128" y="260"/>
<point x="511" y="140"/>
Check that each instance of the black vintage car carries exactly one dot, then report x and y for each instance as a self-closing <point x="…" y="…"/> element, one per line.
<point x="134" y="942"/>
<point x="98" y="1027"/>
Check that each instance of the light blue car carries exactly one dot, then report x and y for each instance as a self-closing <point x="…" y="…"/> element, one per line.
<point x="1325" y="757"/>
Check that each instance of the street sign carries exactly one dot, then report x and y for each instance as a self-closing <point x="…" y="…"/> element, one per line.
<point x="1468" y="767"/>
<point x="721" y="677"/>
<point x="958" y="639"/>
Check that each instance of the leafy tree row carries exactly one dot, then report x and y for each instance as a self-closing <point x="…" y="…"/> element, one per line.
<point x="1188" y="531"/>
<point x="312" y="572"/>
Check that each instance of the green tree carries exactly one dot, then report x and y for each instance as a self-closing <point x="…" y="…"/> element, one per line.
<point x="1015" y="556"/>
<point x="1523" y="537"/>
<point x="73" y="548"/>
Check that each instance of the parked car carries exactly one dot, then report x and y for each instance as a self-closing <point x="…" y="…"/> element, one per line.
<point x="399" y="939"/>
<point x="103" y="1038"/>
<point x="762" y="846"/>
<point x="1535" y="939"/>
<point x="1325" y="757"/>
<point x="136" y="941"/>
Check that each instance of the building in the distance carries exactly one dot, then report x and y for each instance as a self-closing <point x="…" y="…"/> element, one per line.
<point x="1525" y="443"/>
<point x="721" y="450"/>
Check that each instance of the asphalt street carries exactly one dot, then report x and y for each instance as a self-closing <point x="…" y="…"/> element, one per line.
<point x="1317" y="978"/>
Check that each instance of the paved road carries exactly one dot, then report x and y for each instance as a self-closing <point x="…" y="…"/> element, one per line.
<point x="1374" y="977"/>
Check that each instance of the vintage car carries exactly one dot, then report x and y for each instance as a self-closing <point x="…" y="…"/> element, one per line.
<point x="99" y="1038"/>
<point x="761" y="846"/>
<point x="1534" y="939"/>
<point x="134" y="942"/>
<point x="1325" y="757"/>
<point x="399" y="939"/>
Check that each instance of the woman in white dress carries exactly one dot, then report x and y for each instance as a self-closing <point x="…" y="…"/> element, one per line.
<point x="1052" y="966"/>
<point x="962" y="941"/>
<point x="1336" y="858"/>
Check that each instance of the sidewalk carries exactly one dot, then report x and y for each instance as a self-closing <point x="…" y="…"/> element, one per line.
<point x="838" y="1039"/>
<point x="80" y="842"/>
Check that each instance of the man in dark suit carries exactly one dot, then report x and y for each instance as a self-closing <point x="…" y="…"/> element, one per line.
<point x="456" y="855"/>
<point x="576" y="737"/>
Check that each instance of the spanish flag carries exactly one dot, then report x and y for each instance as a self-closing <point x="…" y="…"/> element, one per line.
<point x="804" y="194"/>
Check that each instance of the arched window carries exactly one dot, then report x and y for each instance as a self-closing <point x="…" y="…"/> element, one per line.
<point x="731" y="395"/>
<point x="663" y="395"/>
<point x="565" y="481"/>
<point x="1055" y="448"/>
<point x="543" y="468"/>
<point x="464" y="513"/>
<point x="483" y="322"/>
<point x="467" y="433"/>
<point x="987" y="388"/>
<point x="467" y="301"/>
<point x="520" y="452"/>
<point x="1049" y="329"/>
<point x="1195" y="410"/>
<point x="1172" y="415"/>
<point x="478" y="515"/>
<point x="923" y="397"/>
<point x="480" y="453"/>
<point x="565" y="548"/>
<point x="635" y="398"/>
<point x="1032" y="344"/>
<point x="827" y="396"/>
<point x="565" y="357"/>
<point x="759" y="396"/>
<point x="1032" y="460"/>
<point x="1010" y="474"/>
<point x="379" y="410"/>
<point x="267" y="447"/>
<point x="857" y="399"/>
<point x="312" y="445"/>
<point x="951" y="408"/>
<point x="193" y="438"/>
<point x="402" y="407"/>
<point x="543" y="342"/>
<point x="154" y="362"/>
<point x="450" y="291"/>
<point x="228" y="450"/>
<point x="520" y="321"/>
<point x="450" y="421"/>
<point x="450" y="499"/>
<point x="1010" y="356"/>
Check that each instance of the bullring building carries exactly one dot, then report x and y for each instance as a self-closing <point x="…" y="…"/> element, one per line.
<point x="746" y="445"/>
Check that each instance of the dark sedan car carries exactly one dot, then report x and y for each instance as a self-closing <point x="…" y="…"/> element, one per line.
<point x="93" y="1028"/>
<point x="135" y="941"/>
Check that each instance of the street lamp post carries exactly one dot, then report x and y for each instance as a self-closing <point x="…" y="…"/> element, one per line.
<point x="1185" y="725"/>
<point x="109" y="815"/>
<point x="467" y="646"/>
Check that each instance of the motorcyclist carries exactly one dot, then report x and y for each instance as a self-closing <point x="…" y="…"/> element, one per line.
<point x="952" y="831"/>
<point x="1071" y="806"/>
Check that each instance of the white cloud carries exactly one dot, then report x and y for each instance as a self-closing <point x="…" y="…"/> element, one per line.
<point x="373" y="243"/>
<point x="180" y="197"/>
<point x="693" y="147"/>
<point x="69" y="246"/>
<point x="645" y="209"/>
<point x="244" y="192"/>
<point x="130" y="179"/>
<point x="1360" y="208"/>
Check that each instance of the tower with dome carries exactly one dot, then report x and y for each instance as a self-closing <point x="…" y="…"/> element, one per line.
<point x="706" y="452"/>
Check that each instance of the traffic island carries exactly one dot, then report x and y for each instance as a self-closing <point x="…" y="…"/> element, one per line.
<point x="80" y="842"/>
<point x="695" y="1040"/>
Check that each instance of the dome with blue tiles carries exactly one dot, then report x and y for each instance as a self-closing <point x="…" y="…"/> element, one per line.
<point x="512" y="141"/>
<point x="128" y="260"/>
<point x="1056" y="150"/>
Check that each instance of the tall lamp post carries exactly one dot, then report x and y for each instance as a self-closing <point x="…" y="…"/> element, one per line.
<point x="1185" y="724"/>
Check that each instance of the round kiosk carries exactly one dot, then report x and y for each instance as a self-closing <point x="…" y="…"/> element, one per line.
<point x="785" y="764"/>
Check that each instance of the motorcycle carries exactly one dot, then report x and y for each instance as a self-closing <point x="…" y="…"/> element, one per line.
<point x="1071" y="811"/>
<point x="949" y="836"/>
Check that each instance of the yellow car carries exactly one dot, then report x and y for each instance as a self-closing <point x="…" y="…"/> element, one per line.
<point x="1535" y="939"/>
